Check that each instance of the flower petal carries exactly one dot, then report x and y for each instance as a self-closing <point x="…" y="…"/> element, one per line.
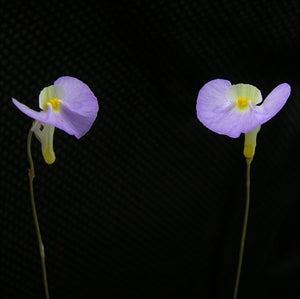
<point x="70" y="121"/>
<point x="232" y="123"/>
<point x="66" y="120"/>
<point x="211" y="100"/>
<point x="77" y="111"/>
<point x="41" y="116"/>
<point x="273" y="103"/>
<point x="212" y="97"/>
<point x="218" y="113"/>
<point x="78" y="97"/>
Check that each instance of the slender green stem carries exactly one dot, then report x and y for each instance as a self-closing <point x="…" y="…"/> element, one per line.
<point x="242" y="245"/>
<point x="31" y="175"/>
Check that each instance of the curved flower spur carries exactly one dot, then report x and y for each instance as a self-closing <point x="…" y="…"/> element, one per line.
<point x="69" y="105"/>
<point x="234" y="109"/>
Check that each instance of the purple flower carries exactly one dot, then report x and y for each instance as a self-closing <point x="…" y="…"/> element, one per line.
<point x="68" y="105"/>
<point x="234" y="109"/>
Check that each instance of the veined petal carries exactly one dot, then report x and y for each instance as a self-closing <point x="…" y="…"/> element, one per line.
<point x="70" y="121"/>
<point x="218" y="112"/>
<point x="232" y="109"/>
<point x="78" y="96"/>
<point x="211" y="101"/>
<point x="69" y="105"/>
<point x="273" y="103"/>
<point x="211" y="97"/>
<point x="232" y="123"/>
<point x="44" y="133"/>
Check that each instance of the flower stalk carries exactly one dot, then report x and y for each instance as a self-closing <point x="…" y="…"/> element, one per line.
<point x="31" y="175"/>
<point x="244" y="230"/>
<point x="249" y="151"/>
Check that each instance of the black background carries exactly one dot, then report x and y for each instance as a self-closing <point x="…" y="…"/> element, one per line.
<point x="149" y="203"/>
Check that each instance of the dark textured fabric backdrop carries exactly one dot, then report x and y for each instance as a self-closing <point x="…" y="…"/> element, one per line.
<point x="149" y="203"/>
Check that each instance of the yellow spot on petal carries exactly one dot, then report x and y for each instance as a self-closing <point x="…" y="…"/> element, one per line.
<point x="55" y="103"/>
<point x="242" y="103"/>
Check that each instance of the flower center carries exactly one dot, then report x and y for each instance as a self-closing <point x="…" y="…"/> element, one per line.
<point x="55" y="103"/>
<point x="242" y="103"/>
<point x="243" y="97"/>
<point x="51" y="96"/>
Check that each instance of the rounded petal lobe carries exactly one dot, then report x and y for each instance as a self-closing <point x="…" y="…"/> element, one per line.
<point x="211" y="101"/>
<point x="218" y="113"/>
<point x="78" y="96"/>
<point x="232" y="123"/>
<point x="273" y="103"/>
<point x="212" y="96"/>
<point x="69" y="121"/>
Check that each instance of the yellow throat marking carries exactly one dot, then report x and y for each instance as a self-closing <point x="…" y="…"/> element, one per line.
<point x="55" y="103"/>
<point x="242" y="103"/>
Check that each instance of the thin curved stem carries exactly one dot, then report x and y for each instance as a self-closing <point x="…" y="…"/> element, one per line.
<point x="243" y="238"/>
<point x="31" y="175"/>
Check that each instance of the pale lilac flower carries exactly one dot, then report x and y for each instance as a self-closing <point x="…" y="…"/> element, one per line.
<point x="234" y="109"/>
<point x="69" y="105"/>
